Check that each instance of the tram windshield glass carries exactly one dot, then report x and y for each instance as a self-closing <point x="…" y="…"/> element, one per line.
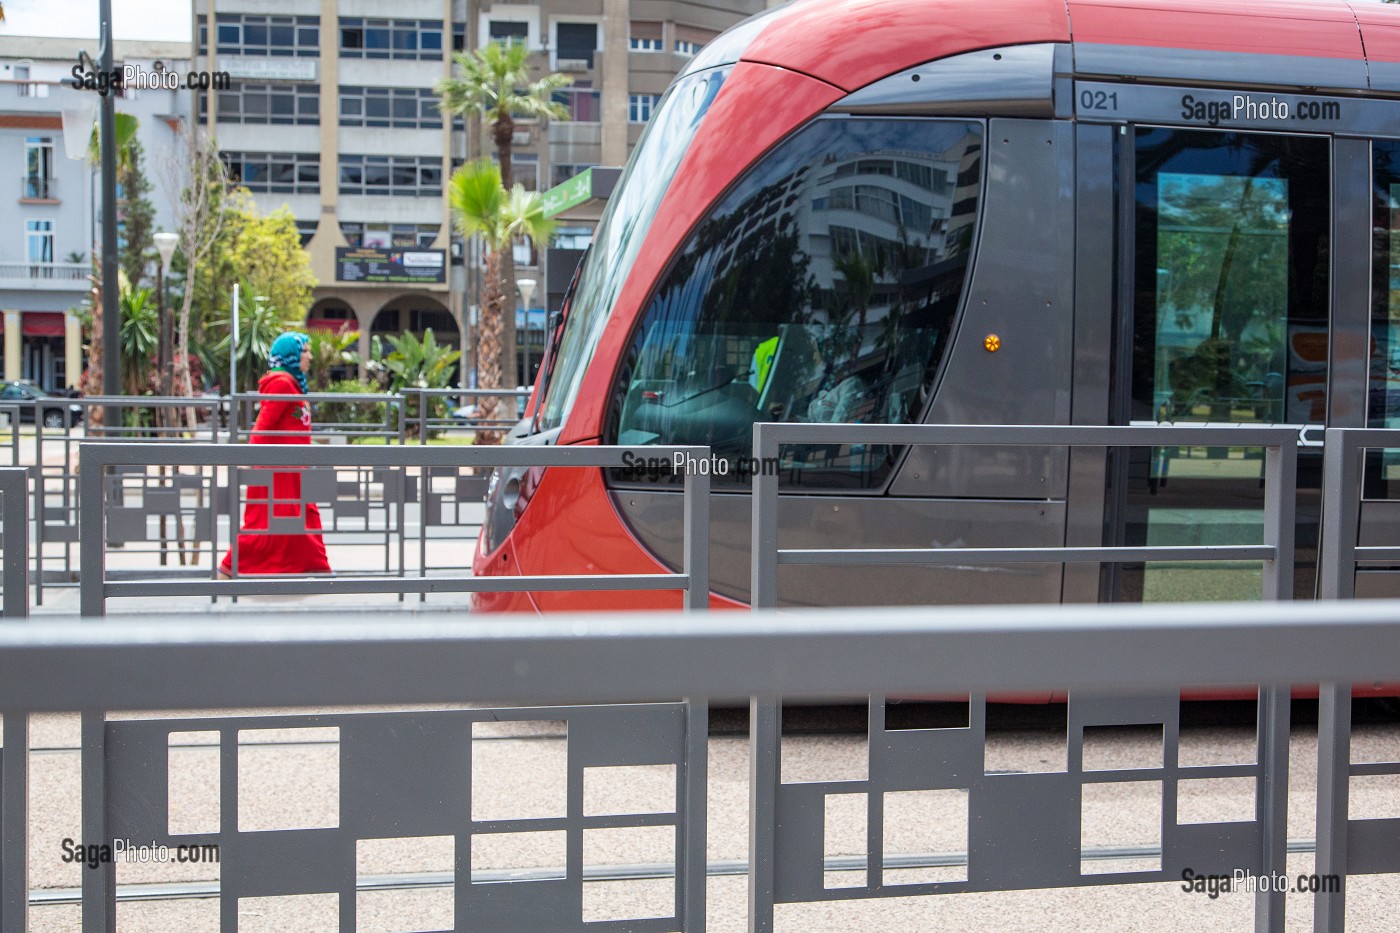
<point x="824" y="287"/>
<point x="619" y="235"/>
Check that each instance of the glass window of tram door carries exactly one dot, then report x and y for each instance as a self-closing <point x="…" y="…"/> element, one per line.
<point x="1229" y="324"/>
<point x="1383" y="402"/>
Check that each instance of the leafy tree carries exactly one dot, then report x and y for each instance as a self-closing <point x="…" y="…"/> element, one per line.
<point x="329" y="351"/>
<point x="139" y="340"/>
<point x="136" y="215"/>
<point x="202" y="182"/>
<point x="91" y="380"/>
<point x="483" y="207"/>
<point x="495" y="82"/>
<point x="259" y="324"/>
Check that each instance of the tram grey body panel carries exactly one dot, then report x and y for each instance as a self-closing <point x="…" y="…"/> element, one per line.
<point x="863" y="521"/>
<point x="1021" y="290"/>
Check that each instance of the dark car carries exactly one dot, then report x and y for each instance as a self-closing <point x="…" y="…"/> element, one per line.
<point x="53" y="410"/>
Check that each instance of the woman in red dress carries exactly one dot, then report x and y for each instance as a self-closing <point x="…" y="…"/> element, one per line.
<point x="281" y="421"/>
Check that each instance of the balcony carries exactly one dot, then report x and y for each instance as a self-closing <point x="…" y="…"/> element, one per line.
<point x="45" y="276"/>
<point x="38" y="188"/>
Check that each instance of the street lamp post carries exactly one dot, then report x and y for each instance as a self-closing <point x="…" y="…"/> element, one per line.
<point x="107" y="140"/>
<point x="165" y="246"/>
<point x="527" y="290"/>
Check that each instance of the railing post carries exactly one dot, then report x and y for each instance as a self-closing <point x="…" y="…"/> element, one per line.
<point x="1341" y="507"/>
<point x="765" y="736"/>
<point x="696" y="559"/>
<point x="14" y="822"/>
<point x="92" y="531"/>
<point x="99" y="888"/>
<point x="694" y="819"/>
<point x="16" y="518"/>
<point x="1271" y="802"/>
<point x="1280" y="482"/>
<point x="764" y="559"/>
<point x="1333" y="799"/>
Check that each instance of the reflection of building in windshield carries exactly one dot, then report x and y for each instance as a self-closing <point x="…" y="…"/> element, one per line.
<point x="823" y="288"/>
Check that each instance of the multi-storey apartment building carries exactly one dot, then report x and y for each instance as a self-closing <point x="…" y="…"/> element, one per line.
<point x="331" y="111"/>
<point x="52" y="204"/>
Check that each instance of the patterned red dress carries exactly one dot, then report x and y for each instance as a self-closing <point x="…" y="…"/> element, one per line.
<point x="279" y="553"/>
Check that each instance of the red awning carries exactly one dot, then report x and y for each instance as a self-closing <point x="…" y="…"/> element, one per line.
<point x="42" y="324"/>
<point x="331" y="324"/>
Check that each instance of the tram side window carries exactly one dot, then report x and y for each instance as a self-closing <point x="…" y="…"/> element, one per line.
<point x="1383" y="467"/>
<point x="824" y="287"/>
<point x="1232" y="278"/>
<point x="1385" y="305"/>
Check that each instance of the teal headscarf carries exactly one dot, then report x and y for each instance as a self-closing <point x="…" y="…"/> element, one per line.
<point x="286" y="355"/>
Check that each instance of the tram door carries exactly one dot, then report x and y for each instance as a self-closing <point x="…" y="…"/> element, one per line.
<point x="1228" y="322"/>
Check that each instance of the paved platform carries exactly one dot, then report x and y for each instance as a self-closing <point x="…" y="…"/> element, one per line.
<point x="406" y="885"/>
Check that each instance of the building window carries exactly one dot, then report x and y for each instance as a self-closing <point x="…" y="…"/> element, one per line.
<point x="584" y="104"/>
<point x="411" y="176"/>
<point x="640" y="106"/>
<point x="390" y="38"/>
<point x="389" y="236"/>
<point x="399" y="107"/>
<point x="509" y="32"/>
<point x="284" y="104"/>
<point x="306" y="229"/>
<point x="572" y="237"/>
<point x="38" y="167"/>
<point x="31" y="89"/>
<point x="280" y="36"/>
<point x="576" y="41"/>
<point x="38" y="236"/>
<point x="561" y="172"/>
<point x="685" y="47"/>
<point x="275" y="172"/>
<point x="459" y="37"/>
<point x="645" y="36"/>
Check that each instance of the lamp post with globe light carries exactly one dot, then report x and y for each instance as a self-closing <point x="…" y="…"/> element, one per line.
<point x="527" y="291"/>
<point x="165" y="246"/>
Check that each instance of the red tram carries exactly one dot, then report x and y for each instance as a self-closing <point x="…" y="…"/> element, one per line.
<point x="1167" y="210"/>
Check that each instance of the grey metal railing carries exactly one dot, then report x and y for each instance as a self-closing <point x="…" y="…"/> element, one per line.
<point x="382" y="415"/>
<point x="14" y="541"/>
<point x="1344" y="845"/>
<point x="247" y="467"/>
<point x="143" y="419"/>
<point x="427" y="419"/>
<point x="1280" y="481"/>
<point x="1023" y="828"/>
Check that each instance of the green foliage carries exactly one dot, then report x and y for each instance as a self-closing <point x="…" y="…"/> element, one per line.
<point x="483" y="207"/>
<point x="125" y="130"/>
<point x="264" y="253"/>
<point x="412" y="363"/>
<point x="329" y="350"/>
<point x="496" y="82"/>
<point x="136" y="215"/>
<point x="364" y="413"/>
<point x="259" y="324"/>
<point x="140" y="338"/>
<point x="423" y="364"/>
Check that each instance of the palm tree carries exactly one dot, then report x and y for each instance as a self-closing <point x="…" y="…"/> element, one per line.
<point x="496" y="81"/>
<point x="483" y="207"/>
<point x="92" y="378"/>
